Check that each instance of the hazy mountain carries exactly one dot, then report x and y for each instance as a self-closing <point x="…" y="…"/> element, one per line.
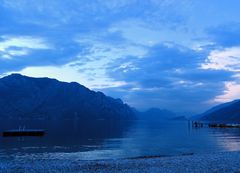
<point x="228" y="112"/>
<point x="179" y="118"/>
<point x="156" y="114"/>
<point x="33" y="98"/>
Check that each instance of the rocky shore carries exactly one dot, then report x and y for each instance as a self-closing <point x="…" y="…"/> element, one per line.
<point x="197" y="163"/>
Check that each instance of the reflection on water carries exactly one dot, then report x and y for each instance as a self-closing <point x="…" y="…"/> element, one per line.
<point x="107" y="140"/>
<point x="66" y="135"/>
<point x="227" y="138"/>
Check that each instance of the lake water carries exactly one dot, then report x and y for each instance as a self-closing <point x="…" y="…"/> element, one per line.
<point x="110" y="140"/>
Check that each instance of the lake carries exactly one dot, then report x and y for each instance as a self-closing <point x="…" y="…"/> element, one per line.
<point x="112" y="140"/>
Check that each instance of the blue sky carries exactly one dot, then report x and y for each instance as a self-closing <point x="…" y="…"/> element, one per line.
<point x="182" y="55"/>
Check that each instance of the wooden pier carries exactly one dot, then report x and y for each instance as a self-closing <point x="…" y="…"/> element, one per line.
<point x="224" y="125"/>
<point x="198" y="124"/>
<point x="16" y="133"/>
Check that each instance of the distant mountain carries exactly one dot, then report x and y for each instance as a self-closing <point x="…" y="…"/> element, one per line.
<point x="156" y="114"/>
<point x="227" y="112"/>
<point x="23" y="97"/>
<point x="179" y="118"/>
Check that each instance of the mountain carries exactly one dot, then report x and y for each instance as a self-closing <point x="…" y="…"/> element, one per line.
<point x="227" y="112"/>
<point x="179" y="118"/>
<point x="156" y="114"/>
<point x="213" y="109"/>
<point x="23" y="97"/>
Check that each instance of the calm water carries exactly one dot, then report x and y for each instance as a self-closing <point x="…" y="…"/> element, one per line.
<point x="107" y="140"/>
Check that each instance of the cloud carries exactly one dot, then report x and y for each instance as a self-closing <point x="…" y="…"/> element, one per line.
<point x="132" y="30"/>
<point x="89" y="66"/>
<point x="225" y="59"/>
<point x="231" y="93"/>
<point x="225" y="35"/>
<point x="13" y="46"/>
<point x="97" y="7"/>
<point x="56" y="13"/>
<point x="70" y="74"/>
<point x="21" y="51"/>
<point x="224" y="54"/>
<point x="166" y="76"/>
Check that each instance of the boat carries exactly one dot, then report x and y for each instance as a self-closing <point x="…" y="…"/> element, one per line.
<point x="27" y="132"/>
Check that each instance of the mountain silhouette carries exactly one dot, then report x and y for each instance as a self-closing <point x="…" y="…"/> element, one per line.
<point x="226" y="112"/>
<point x="23" y="97"/>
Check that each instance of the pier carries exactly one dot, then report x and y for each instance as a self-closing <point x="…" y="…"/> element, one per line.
<point x="29" y="132"/>
<point x="198" y="124"/>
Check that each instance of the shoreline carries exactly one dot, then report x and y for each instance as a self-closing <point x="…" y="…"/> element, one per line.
<point x="194" y="163"/>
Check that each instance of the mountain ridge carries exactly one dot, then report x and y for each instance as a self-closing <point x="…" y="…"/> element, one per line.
<point x="226" y="112"/>
<point x="28" y="97"/>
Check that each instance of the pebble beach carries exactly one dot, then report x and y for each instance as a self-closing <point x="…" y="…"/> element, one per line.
<point x="194" y="163"/>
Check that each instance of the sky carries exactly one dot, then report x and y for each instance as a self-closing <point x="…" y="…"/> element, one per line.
<point x="181" y="55"/>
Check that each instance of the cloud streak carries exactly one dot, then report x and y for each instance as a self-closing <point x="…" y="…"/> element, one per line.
<point x="13" y="46"/>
